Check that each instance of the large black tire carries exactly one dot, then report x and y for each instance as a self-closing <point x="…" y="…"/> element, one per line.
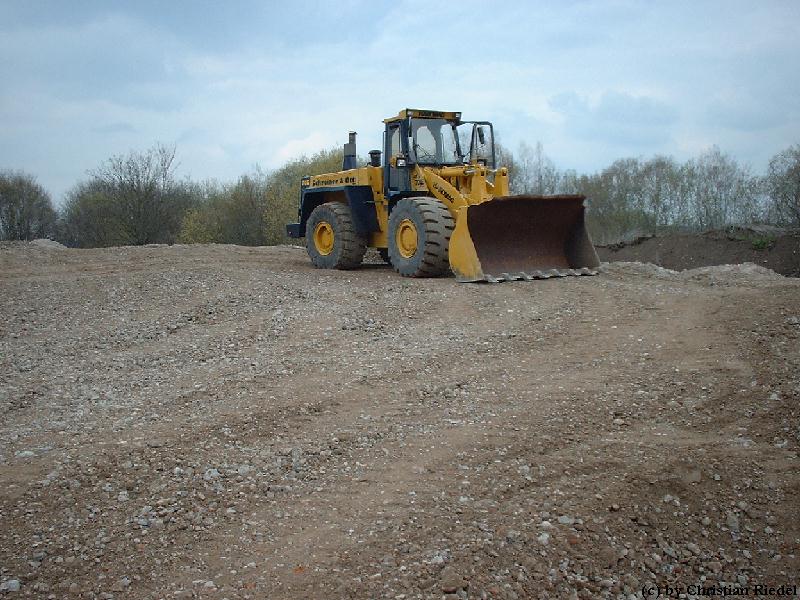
<point x="433" y="224"/>
<point x="332" y="241"/>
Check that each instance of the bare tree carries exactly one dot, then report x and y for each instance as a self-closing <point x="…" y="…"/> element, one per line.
<point x="783" y="186"/>
<point x="142" y="189"/>
<point x="535" y="172"/>
<point x="661" y="192"/>
<point x="130" y="199"/>
<point x="623" y="180"/>
<point x="26" y="211"/>
<point x="722" y="192"/>
<point x="505" y="158"/>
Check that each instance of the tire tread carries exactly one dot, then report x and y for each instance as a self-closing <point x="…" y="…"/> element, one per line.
<point x="351" y="244"/>
<point x="438" y="226"/>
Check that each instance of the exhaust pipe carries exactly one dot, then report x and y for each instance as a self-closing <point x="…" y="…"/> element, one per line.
<point x="349" y="158"/>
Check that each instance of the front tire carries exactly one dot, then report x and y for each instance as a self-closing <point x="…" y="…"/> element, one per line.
<point x="419" y="237"/>
<point x="332" y="241"/>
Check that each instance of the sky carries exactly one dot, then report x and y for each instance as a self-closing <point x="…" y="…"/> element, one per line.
<point x="236" y="84"/>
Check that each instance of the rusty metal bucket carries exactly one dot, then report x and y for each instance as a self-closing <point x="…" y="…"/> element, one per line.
<point x="522" y="237"/>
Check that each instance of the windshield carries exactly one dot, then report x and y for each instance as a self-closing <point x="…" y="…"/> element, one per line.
<point x="435" y="142"/>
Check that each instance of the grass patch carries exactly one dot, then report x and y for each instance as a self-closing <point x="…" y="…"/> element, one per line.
<point x="763" y="242"/>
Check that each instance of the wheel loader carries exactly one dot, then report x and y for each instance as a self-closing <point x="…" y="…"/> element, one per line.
<point x="438" y="202"/>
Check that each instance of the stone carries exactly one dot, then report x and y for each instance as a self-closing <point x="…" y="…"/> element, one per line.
<point x="122" y="584"/>
<point x="608" y="557"/>
<point x="513" y="536"/>
<point x="544" y="538"/>
<point x="297" y="459"/>
<point x="451" y="581"/>
<point x="693" y="476"/>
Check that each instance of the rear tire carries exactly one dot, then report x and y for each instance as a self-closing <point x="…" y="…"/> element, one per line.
<point x="430" y="222"/>
<point x="332" y="241"/>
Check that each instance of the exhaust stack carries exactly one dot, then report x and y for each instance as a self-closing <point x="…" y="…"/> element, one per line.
<point x="349" y="159"/>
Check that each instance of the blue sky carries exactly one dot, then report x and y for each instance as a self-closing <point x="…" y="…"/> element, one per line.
<point x="235" y="84"/>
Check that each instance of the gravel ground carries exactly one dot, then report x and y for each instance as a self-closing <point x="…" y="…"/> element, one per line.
<point x="228" y="422"/>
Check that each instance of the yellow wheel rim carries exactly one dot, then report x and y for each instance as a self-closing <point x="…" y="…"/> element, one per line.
<point x="406" y="236"/>
<point x="323" y="238"/>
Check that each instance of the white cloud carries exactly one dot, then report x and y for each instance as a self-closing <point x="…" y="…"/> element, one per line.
<point x="305" y="146"/>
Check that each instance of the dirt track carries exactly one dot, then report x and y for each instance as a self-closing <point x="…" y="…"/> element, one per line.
<point x="228" y="422"/>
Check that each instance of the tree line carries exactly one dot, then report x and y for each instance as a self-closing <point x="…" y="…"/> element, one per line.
<point x="635" y="196"/>
<point x="137" y="199"/>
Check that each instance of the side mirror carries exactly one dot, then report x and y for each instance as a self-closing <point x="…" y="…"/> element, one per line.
<point x="481" y="135"/>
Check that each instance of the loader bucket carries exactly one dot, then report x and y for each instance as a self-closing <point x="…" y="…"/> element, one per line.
<point x="522" y="237"/>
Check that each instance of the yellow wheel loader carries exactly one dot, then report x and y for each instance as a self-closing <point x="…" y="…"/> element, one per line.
<point x="438" y="202"/>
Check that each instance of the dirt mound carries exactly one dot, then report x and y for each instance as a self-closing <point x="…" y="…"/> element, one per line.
<point x="745" y="274"/>
<point x="45" y="243"/>
<point x="623" y="268"/>
<point x="774" y="248"/>
<point x="741" y="274"/>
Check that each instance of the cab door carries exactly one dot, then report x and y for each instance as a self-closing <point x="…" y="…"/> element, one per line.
<point x="397" y="179"/>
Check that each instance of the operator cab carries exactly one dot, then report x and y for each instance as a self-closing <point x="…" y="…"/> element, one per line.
<point x="432" y="139"/>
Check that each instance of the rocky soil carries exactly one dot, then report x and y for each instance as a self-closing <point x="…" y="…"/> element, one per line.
<point x="228" y="422"/>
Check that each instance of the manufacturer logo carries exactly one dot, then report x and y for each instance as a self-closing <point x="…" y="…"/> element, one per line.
<point x="349" y="180"/>
<point x="444" y="192"/>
